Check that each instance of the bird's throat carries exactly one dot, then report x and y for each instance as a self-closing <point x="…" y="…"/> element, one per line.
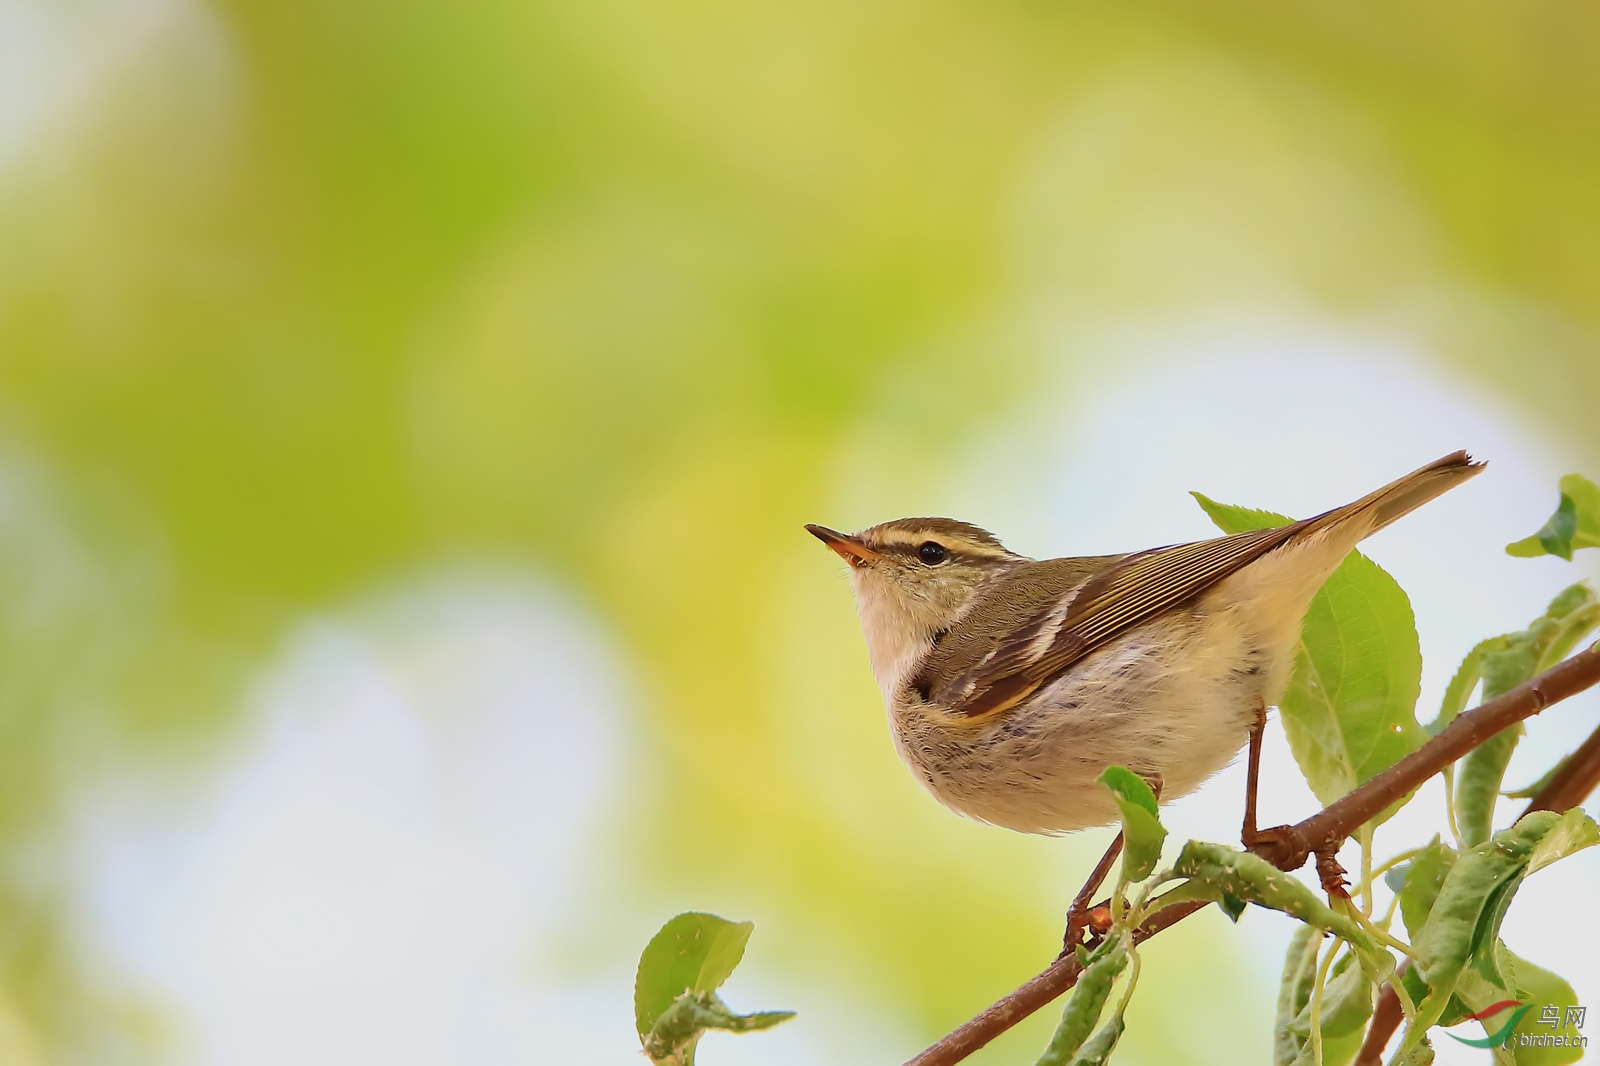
<point x="898" y="634"/>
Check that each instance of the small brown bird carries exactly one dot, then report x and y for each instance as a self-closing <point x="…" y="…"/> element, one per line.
<point x="1011" y="683"/>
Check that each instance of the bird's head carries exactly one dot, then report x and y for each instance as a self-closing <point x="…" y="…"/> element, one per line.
<point x="914" y="578"/>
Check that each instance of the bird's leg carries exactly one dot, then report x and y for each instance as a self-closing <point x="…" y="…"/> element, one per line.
<point x="1080" y="915"/>
<point x="1097" y="919"/>
<point x="1247" y="835"/>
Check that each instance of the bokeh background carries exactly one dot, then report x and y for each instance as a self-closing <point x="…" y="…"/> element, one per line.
<point x="408" y="413"/>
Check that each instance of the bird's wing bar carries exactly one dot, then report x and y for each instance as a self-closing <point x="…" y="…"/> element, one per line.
<point x="1115" y="600"/>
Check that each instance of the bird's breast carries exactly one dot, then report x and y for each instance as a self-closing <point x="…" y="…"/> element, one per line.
<point x="1175" y="697"/>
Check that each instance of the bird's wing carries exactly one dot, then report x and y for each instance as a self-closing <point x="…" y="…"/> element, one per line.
<point x="1123" y="595"/>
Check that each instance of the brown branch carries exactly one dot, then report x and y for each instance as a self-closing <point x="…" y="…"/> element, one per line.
<point x="1328" y="828"/>
<point x="1568" y="788"/>
<point x="1288" y="847"/>
<point x="1573" y="782"/>
<point x="1062" y="975"/>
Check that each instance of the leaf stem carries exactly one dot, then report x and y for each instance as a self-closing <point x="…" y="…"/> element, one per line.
<point x="1396" y="860"/>
<point x="1408" y="1009"/>
<point x="1133" y="977"/>
<point x="1388" y="915"/>
<point x="1316" y="1000"/>
<point x="1380" y="934"/>
<point x="1364" y="836"/>
<point x="1449" y="775"/>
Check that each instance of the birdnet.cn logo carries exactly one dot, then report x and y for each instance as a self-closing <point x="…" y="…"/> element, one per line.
<point x="1558" y="1019"/>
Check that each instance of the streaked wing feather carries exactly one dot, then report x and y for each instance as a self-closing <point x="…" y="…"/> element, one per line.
<point x="1118" y="598"/>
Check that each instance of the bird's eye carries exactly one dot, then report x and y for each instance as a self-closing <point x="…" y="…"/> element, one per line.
<point x="932" y="553"/>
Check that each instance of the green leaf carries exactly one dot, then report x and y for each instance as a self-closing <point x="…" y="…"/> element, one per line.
<point x="1346" y="1002"/>
<point x="1417" y="989"/>
<point x="1350" y="709"/>
<point x="675" y="991"/>
<point x="671" y="1041"/>
<point x="1554" y="538"/>
<point x="1574" y="832"/>
<point x="1575" y="524"/>
<point x="1336" y="1050"/>
<point x="693" y="952"/>
<point x="1423" y="881"/>
<point x="1294" y="991"/>
<point x="1420" y="1055"/>
<point x="1572" y="627"/>
<point x="1504" y="663"/>
<point x="1462" y="927"/>
<point x="1142" y="831"/>
<point x="725" y="953"/>
<point x="1231" y="518"/>
<point x="1485" y="960"/>
<point x="1294" y="998"/>
<point x="1215" y="869"/>
<point x="1097" y="1051"/>
<point x="1477" y="993"/>
<point x="1534" y="984"/>
<point x="1083" y="1008"/>
<point x="1478" y="786"/>
<point x="1461" y="686"/>
<point x="1459" y="921"/>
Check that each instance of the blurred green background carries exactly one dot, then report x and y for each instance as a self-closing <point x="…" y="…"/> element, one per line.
<point x="408" y="412"/>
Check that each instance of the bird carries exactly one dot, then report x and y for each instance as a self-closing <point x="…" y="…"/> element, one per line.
<point x="1011" y="683"/>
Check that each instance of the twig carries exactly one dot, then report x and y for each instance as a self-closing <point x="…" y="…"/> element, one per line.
<point x="1288" y="847"/>
<point x="1062" y="975"/>
<point x="1565" y="791"/>
<point x="1573" y="782"/>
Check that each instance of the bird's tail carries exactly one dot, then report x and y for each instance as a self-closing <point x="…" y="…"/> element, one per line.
<point x="1399" y="498"/>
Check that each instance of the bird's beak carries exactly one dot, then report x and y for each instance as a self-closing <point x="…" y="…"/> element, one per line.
<point x="849" y="548"/>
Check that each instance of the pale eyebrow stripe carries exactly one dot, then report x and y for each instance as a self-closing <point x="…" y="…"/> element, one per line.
<point x="909" y="542"/>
